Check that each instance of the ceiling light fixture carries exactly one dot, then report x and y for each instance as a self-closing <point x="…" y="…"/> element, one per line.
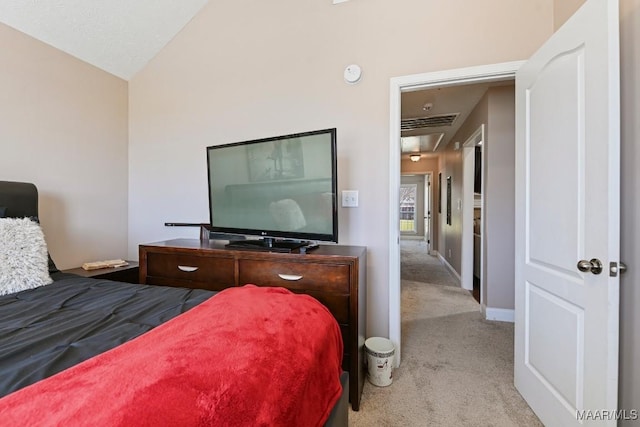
<point x="415" y="157"/>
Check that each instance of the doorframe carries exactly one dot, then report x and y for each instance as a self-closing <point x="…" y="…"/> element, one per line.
<point x="417" y="187"/>
<point x="409" y="83"/>
<point x="428" y="206"/>
<point x="468" y="207"/>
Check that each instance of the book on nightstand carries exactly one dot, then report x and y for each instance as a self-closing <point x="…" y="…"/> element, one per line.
<point x="123" y="272"/>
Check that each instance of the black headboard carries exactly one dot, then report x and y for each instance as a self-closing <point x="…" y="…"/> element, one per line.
<point x="19" y="198"/>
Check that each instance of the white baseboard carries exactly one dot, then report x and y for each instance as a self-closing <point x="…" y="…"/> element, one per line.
<point x="499" y="314"/>
<point x="449" y="267"/>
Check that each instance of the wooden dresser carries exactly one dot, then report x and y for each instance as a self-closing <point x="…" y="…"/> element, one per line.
<point x="333" y="274"/>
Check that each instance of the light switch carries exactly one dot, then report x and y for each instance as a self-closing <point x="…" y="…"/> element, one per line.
<point x="349" y="198"/>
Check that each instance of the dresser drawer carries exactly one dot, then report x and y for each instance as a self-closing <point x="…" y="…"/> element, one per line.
<point x="184" y="269"/>
<point x="334" y="275"/>
<point x="295" y="275"/>
<point x="338" y="305"/>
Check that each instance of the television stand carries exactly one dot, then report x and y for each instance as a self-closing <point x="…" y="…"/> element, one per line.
<point x="335" y="275"/>
<point x="268" y="244"/>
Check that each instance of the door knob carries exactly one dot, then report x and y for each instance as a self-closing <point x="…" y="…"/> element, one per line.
<point x="594" y="266"/>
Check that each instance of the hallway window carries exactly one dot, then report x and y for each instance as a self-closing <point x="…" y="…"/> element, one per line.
<point x="408" y="193"/>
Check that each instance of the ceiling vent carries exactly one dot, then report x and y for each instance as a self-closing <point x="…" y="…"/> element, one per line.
<point x="428" y="122"/>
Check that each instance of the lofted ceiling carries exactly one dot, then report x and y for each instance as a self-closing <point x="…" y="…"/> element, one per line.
<point x="118" y="36"/>
<point x="122" y="36"/>
<point x="431" y="117"/>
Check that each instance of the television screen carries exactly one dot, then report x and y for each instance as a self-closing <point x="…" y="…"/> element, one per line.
<point x="282" y="187"/>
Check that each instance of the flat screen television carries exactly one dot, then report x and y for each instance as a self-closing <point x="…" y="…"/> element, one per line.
<point x="281" y="189"/>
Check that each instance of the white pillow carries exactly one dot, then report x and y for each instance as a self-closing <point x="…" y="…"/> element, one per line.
<point x="24" y="262"/>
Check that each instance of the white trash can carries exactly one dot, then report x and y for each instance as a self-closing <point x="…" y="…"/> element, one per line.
<point x="380" y="352"/>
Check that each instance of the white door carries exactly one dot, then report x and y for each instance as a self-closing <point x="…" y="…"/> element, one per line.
<point x="427" y="211"/>
<point x="567" y="210"/>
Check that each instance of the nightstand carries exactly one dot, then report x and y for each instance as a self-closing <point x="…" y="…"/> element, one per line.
<point x="128" y="273"/>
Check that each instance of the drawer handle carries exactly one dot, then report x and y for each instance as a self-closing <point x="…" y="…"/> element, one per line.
<point x="290" y="277"/>
<point x="187" y="268"/>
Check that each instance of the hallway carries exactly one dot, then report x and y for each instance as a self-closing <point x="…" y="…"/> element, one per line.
<point x="457" y="368"/>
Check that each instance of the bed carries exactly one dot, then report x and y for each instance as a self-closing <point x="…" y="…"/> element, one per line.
<point x="79" y="351"/>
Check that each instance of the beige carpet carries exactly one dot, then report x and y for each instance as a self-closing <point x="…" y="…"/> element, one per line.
<point x="457" y="369"/>
<point x="416" y="265"/>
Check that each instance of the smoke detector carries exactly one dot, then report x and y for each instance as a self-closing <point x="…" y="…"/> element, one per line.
<point x="352" y="73"/>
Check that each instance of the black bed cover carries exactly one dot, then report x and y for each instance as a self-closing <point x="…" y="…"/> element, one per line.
<point x="46" y="330"/>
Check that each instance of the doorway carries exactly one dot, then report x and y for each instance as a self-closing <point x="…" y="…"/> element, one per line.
<point x="495" y="72"/>
<point x="427" y="210"/>
<point x="473" y="214"/>
<point x="415" y="207"/>
<point x="411" y="206"/>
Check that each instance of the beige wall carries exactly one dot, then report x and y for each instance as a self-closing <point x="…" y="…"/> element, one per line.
<point x="563" y="9"/>
<point x="630" y="239"/>
<point x="244" y="70"/>
<point x="450" y="245"/>
<point x="499" y="195"/>
<point x="426" y="164"/>
<point x="496" y="110"/>
<point x="63" y="126"/>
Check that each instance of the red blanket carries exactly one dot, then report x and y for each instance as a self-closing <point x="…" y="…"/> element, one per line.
<point x="249" y="356"/>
